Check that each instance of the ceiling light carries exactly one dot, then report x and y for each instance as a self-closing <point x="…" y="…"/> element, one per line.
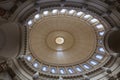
<point x="55" y="11"/>
<point x="101" y="33"/>
<point x="94" y="20"/>
<point x="29" y="58"/>
<point x="37" y="16"/>
<point x="45" y="13"/>
<point x="100" y="26"/>
<point x="62" y="71"/>
<point x="71" y="12"/>
<point x="87" y="16"/>
<point x="59" y="40"/>
<point x="86" y="66"/>
<point x="78" y="69"/>
<point x="35" y="64"/>
<point x="63" y="11"/>
<point x="30" y="22"/>
<point x="70" y="70"/>
<point x="101" y="49"/>
<point x="93" y="62"/>
<point x="44" y="68"/>
<point x="98" y="56"/>
<point x="79" y="14"/>
<point x="53" y="70"/>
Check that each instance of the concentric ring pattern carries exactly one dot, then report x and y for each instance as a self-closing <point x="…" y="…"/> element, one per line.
<point x="77" y="47"/>
<point x="81" y="50"/>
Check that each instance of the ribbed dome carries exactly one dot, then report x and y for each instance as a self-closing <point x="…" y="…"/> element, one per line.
<point x="65" y="42"/>
<point x="79" y="40"/>
<point x="59" y="39"/>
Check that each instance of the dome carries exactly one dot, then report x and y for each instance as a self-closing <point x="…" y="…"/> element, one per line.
<point x="60" y="40"/>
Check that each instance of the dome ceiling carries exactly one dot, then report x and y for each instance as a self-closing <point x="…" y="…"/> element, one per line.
<point x="76" y="47"/>
<point x="62" y="39"/>
<point x="65" y="42"/>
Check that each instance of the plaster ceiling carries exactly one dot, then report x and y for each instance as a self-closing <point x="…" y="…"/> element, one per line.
<point x="79" y="37"/>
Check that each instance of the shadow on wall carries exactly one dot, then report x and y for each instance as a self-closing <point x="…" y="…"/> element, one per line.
<point x="9" y="40"/>
<point x="114" y="41"/>
<point x="5" y="76"/>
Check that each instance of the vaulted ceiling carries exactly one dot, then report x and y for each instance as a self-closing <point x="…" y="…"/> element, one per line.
<point x="60" y="39"/>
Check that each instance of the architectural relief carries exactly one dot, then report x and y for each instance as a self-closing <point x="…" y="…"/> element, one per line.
<point x="59" y="40"/>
